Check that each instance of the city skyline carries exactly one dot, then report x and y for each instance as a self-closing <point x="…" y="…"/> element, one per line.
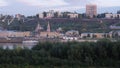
<point x="31" y="7"/>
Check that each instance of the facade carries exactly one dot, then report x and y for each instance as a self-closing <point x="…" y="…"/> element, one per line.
<point x="73" y="15"/>
<point x="86" y="35"/>
<point x="49" y="34"/>
<point x="70" y="38"/>
<point x="91" y="10"/>
<point x="96" y="35"/>
<point x="14" y="34"/>
<point x="59" y="14"/>
<point x="115" y="34"/>
<point x="72" y="33"/>
<point x="41" y="15"/>
<point x="112" y="16"/>
<point x="50" y="14"/>
<point x="19" y="16"/>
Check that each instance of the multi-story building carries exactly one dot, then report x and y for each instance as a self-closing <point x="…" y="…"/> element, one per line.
<point x="91" y="10"/>
<point x="41" y="15"/>
<point x="50" y="14"/>
<point x="112" y="16"/>
<point x="60" y="14"/>
<point x="73" y="15"/>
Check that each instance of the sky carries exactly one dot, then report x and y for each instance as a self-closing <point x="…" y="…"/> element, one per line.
<point x="29" y="7"/>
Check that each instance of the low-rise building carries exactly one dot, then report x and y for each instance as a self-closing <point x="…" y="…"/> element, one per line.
<point x="72" y="33"/>
<point x="115" y="34"/>
<point x="112" y="16"/>
<point x="86" y="35"/>
<point x="14" y="34"/>
<point x="70" y="38"/>
<point x="95" y="35"/>
<point x="73" y="15"/>
<point x="49" y="34"/>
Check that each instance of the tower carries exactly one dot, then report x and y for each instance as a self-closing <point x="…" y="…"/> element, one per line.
<point x="48" y="27"/>
<point x="91" y="10"/>
<point x="38" y="28"/>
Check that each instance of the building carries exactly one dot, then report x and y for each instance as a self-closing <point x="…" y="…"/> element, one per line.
<point x="48" y="33"/>
<point x="60" y="14"/>
<point x="41" y="15"/>
<point x="91" y="10"/>
<point x="115" y="34"/>
<point x="73" y="15"/>
<point x="38" y="28"/>
<point x="72" y="33"/>
<point x="19" y="16"/>
<point x="50" y="14"/>
<point x="48" y="27"/>
<point x="4" y="34"/>
<point x="95" y="35"/>
<point x="112" y="16"/>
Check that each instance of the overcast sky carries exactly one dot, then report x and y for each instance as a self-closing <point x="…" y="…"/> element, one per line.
<point x="35" y="6"/>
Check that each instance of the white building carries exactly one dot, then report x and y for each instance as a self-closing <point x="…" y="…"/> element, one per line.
<point x="96" y="35"/>
<point x="112" y="16"/>
<point x="70" y="38"/>
<point x="41" y="15"/>
<point x="50" y="14"/>
<point x="60" y="14"/>
<point x="73" y="15"/>
<point x="72" y="33"/>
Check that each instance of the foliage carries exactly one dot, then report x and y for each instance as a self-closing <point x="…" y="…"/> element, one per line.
<point x="103" y="53"/>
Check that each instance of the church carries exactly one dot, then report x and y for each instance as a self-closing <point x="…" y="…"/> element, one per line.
<point x="46" y="34"/>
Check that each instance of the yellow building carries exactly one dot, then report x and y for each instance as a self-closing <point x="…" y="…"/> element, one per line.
<point x="14" y="34"/>
<point x="49" y="34"/>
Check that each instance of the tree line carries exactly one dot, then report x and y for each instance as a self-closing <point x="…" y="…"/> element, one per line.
<point x="103" y="53"/>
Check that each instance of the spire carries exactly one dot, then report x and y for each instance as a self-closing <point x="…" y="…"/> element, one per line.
<point x="38" y="28"/>
<point x="48" y="27"/>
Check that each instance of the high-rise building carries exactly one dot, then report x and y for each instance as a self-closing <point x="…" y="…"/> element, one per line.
<point x="91" y="10"/>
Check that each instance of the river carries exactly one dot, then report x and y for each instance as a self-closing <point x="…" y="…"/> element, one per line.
<point x="16" y="45"/>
